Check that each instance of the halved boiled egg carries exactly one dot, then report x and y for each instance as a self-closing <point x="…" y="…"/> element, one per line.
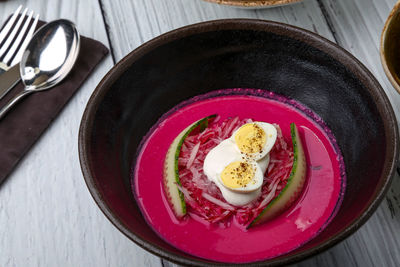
<point x="239" y="180"/>
<point x="242" y="176"/>
<point x="232" y="169"/>
<point x="237" y="165"/>
<point x="255" y="139"/>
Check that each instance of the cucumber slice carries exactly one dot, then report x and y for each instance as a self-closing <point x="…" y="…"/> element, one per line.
<point x="294" y="186"/>
<point x="175" y="197"/>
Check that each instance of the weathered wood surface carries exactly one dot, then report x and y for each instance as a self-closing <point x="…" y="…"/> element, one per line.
<point x="131" y="23"/>
<point x="48" y="215"/>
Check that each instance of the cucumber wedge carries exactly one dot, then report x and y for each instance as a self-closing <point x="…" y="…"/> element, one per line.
<point x="294" y="186"/>
<point x="171" y="172"/>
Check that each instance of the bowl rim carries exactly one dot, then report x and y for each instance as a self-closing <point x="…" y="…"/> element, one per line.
<point x="382" y="52"/>
<point x="315" y="40"/>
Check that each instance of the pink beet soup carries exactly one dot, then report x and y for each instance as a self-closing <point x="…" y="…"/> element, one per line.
<point x="308" y="216"/>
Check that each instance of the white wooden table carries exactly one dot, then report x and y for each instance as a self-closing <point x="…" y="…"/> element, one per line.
<point x="47" y="215"/>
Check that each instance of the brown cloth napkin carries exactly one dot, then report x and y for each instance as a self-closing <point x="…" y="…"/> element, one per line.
<point x="27" y="121"/>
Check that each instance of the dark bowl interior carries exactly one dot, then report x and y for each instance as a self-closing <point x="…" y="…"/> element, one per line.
<point x="231" y="54"/>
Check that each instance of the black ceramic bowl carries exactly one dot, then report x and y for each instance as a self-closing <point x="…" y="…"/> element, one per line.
<point x="230" y="54"/>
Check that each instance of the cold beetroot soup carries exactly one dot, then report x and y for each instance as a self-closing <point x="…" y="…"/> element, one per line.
<point x="230" y="242"/>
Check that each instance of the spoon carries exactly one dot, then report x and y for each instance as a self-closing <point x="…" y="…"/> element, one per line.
<point x="47" y="60"/>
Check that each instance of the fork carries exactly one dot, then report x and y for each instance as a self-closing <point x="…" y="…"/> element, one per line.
<point x="12" y="46"/>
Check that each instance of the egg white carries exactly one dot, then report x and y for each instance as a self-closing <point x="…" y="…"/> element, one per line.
<point x="236" y="198"/>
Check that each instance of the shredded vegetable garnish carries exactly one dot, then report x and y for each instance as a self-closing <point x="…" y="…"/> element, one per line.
<point x="203" y="198"/>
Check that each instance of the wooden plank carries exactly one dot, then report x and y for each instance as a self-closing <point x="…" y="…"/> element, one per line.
<point x="47" y="215"/>
<point x="133" y="22"/>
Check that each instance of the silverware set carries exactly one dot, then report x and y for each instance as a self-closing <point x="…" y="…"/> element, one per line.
<point x="40" y="59"/>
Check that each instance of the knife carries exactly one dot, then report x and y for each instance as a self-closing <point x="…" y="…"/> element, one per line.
<point x="8" y="80"/>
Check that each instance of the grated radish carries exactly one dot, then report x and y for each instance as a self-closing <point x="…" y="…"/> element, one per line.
<point x="192" y="155"/>
<point x="217" y="202"/>
<point x="269" y="196"/>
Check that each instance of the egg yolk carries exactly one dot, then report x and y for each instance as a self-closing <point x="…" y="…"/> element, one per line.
<point x="250" y="138"/>
<point x="237" y="174"/>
